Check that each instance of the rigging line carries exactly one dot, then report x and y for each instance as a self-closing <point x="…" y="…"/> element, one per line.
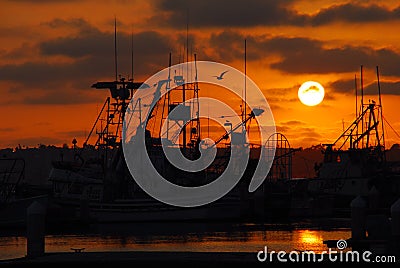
<point x="397" y="134"/>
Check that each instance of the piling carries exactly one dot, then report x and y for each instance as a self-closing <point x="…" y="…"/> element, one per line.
<point x="358" y="216"/>
<point x="35" y="229"/>
<point x="395" y="227"/>
<point x="373" y="198"/>
<point x="395" y="213"/>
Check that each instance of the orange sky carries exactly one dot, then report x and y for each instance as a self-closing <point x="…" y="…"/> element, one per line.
<point x="53" y="51"/>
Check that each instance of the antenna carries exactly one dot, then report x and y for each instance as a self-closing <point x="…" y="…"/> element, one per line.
<point x="356" y="89"/>
<point x="115" y="49"/>
<point x="187" y="74"/>
<point x="187" y="37"/>
<point x="132" y="56"/>
<point x="245" y="82"/>
<point x="362" y="104"/>
<point x="380" y="105"/>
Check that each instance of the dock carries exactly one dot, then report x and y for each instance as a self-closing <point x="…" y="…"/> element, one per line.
<point x="135" y="258"/>
<point x="175" y="258"/>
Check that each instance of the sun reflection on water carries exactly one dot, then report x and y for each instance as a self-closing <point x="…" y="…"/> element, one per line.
<point x="246" y="240"/>
<point x="309" y="239"/>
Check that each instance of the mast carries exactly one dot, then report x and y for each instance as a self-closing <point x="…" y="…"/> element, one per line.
<point x="362" y="103"/>
<point x="167" y="99"/>
<point x="131" y="56"/>
<point x="356" y="89"/>
<point x="245" y="82"/>
<point x="187" y="74"/>
<point x="168" y="89"/>
<point x="380" y="105"/>
<point x="196" y="97"/>
<point x="115" y="49"/>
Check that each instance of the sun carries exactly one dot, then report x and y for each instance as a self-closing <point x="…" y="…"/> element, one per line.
<point x="311" y="93"/>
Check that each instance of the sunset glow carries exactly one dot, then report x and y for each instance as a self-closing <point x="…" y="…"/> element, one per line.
<point x="53" y="51"/>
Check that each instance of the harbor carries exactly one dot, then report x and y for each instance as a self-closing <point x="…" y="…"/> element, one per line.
<point x="158" y="138"/>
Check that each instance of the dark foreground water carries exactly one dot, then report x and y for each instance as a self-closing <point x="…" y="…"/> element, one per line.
<point x="181" y="237"/>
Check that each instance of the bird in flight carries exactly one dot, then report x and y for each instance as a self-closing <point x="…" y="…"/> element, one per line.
<point x="220" y="77"/>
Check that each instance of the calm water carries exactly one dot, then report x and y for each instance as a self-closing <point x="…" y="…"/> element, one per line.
<point x="181" y="237"/>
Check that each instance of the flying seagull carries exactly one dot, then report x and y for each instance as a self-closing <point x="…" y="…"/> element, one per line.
<point x="220" y="77"/>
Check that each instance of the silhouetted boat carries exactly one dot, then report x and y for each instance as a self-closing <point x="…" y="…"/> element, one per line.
<point x="97" y="185"/>
<point x="15" y="195"/>
<point x="356" y="164"/>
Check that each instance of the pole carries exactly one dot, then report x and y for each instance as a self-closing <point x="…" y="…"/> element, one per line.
<point x="132" y="56"/>
<point x="115" y="49"/>
<point x="362" y="104"/>
<point x="245" y="81"/>
<point x="380" y="105"/>
<point x="35" y="230"/>
<point x="356" y="89"/>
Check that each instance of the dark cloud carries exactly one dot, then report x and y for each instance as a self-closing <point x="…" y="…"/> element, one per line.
<point x="80" y="24"/>
<point x="300" y="55"/>
<point x="150" y="49"/>
<point x="229" y="46"/>
<point x="348" y="86"/>
<point x="209" y="13"/>
<point x="94" y="44"/>
<point x="52" y="76"/>
<point x="343" y="86"/>
<point x="350" y="12"/>
<point x="91" y="54"/>
<point x="387" y="88"/>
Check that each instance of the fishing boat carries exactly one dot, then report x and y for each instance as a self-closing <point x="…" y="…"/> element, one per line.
<point x="15" y="195"/>
<point x="97" y="185"/>
<point x="356" y="164"/>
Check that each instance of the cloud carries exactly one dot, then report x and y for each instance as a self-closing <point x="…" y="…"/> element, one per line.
<point x="350" y="12"/>
<point x="150" y="51"/>
<point x="91" y="57"/>
<point x="348" y="86"/>
<point x="343" y="86"/>
<point x="209" y="13"/>
<point x="301" y="55"/>
<point x="294" y="123"/>
<point x="388" y="88"/>
<point x="297" y="133"/>
<point x="80" y="24"/>
<point x="24" y="51"/>
<point x="310" y="56"/>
